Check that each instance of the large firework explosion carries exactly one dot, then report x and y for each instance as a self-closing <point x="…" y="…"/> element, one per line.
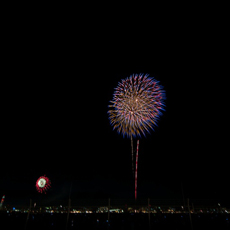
<point x="136" y="106"/>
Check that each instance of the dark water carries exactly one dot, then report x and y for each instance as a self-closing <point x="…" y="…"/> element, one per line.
<point x="117" y="221"/>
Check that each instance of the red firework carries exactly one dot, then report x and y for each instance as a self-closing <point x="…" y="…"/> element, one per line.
<point x="136" y="170"/>
<point x="42" y="184"/>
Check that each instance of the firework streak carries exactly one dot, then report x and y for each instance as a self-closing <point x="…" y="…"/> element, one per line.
<point x="136" y="106"/>
<point x="136" y="170"/>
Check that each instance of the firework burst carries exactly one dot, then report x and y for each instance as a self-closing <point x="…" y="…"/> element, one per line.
<point x="42" y="184"/>
<point x="136" y="106"/>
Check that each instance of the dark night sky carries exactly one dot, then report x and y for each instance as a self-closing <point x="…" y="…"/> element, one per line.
<point x="56" y="90"/>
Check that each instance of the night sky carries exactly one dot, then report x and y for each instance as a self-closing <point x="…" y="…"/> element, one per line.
<point x="55" y="94"/>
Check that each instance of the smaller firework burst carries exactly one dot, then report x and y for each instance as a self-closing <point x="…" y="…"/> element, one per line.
<point x="42" y="184"/>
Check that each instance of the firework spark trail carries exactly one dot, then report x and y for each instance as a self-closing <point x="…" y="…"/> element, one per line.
<point x="132" y="154"/>
<point x="136" y="170"/>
